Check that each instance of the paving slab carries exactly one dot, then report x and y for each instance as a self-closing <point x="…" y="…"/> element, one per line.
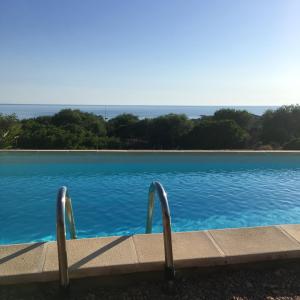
<point x="141" y="253"/>
<point x="293" y="230"/>
<point x="190" y="249"/>
<point x="93" y="257"/>
<point x="244" y="245"/>
<point x="23" y="262"/>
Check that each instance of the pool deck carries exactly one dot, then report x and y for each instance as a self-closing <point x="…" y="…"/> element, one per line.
<point x="37" y="262"/>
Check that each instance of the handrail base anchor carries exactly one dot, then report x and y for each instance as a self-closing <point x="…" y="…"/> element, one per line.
<point x="169" y="273"/>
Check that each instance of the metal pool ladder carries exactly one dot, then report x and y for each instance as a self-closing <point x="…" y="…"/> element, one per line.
<point x="64" y="207"/>
<point x="167" y="232"/>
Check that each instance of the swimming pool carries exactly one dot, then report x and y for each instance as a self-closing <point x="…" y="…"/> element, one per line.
<point x="109" y="191"/>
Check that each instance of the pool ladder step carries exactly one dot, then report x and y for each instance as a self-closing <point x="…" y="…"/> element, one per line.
<point x="64" y="208"/>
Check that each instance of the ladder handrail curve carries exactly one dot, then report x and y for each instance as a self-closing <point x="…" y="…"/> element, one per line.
<point x="63" y="208"/>
<point x="167" y="231"/>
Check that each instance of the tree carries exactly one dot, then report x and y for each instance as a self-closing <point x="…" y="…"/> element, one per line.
<point x="165" y="132"/>
<point x="9" y="130"/>
<point x="122" y="126"/>
<point x="211" y="134"/>
<point x="293" y="144"/>
<point x="241" y="117"/>
<point x="281" y="125"/>
<point x="88" y="121"/>
<point x="68" y="129"/>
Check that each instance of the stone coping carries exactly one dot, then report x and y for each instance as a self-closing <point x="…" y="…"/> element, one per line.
<point x="37" y="262"/>
<point x="151" y="151"/>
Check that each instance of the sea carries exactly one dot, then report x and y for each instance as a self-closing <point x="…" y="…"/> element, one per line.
<point x="26" y="111"/>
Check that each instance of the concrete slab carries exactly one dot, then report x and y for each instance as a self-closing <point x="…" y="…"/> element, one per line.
<point x="190" y="249"/>
<point x="243" y="245"/>
<point x="292" y="230"/>
<point x="141" y="253"/>
<point x="23" y="262"/>
<point x="93" y="257"/>
<point x="150" y="250"/>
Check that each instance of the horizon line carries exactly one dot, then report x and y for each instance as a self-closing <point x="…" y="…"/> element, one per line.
<point x="204" y="105"/>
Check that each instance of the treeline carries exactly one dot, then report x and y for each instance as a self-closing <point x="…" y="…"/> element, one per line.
<point x="226" y="129"/>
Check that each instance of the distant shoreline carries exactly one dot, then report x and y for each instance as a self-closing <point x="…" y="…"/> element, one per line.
<point x="141" y="105"/>
<point x="26" y="111"/>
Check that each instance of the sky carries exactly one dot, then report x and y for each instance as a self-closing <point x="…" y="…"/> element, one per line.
<point x="170" y="52"/>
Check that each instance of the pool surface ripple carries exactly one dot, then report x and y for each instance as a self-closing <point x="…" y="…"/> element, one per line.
<point x="109" y="191"/>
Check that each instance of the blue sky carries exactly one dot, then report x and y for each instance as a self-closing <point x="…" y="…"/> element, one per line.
<point x="191" y="52"/>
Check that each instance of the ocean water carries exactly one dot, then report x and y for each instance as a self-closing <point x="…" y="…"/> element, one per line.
<point x="110" y="111"/>
<point x="109" y="191"/>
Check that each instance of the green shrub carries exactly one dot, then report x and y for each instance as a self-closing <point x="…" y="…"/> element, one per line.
<point x="293" y="144"/>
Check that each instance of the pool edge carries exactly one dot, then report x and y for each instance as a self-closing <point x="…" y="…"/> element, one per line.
<point x="107" y="256"/>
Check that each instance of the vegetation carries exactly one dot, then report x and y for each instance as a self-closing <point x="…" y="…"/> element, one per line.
<point x="9" y="131"/>
<point x="226" y="129"/>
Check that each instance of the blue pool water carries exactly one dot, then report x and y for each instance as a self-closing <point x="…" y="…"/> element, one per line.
<point x="109" y="191"/>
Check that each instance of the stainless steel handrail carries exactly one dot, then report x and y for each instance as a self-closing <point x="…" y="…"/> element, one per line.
<point x="167" y="232"/>
<point x="63" y="207"/>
